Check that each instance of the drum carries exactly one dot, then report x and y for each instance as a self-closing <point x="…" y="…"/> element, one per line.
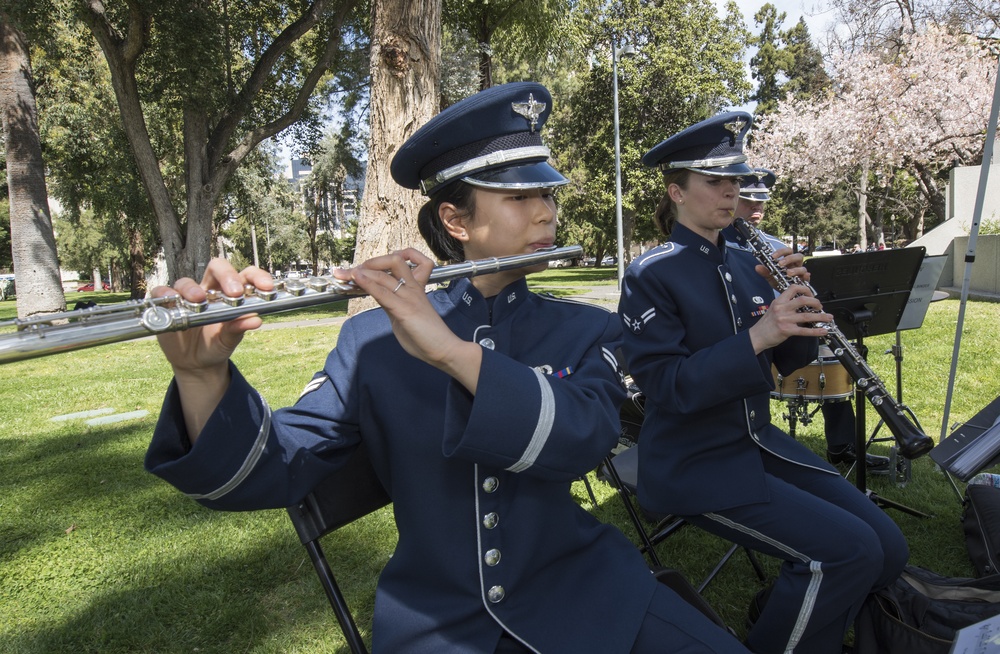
<point x="823" y="380"/>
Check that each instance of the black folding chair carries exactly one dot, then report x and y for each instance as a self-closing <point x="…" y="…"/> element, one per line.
<point x="622" y="473"/>
<point x="352" y="493"/>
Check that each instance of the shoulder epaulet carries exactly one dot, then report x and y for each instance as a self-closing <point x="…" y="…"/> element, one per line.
<point x="660" y="252"/>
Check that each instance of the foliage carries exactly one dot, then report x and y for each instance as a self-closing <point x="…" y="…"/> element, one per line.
<point x="226" y="75"/>
<point x="687" y="66"/>
<point x="324" y="193"/>
<point x="921" y="111"/>
<point x="91" y="169"/>
<point x="518" y="30"/>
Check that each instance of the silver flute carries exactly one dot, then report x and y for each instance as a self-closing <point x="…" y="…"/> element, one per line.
<point x="83" y="328"/>
<point x="912" y="442"/>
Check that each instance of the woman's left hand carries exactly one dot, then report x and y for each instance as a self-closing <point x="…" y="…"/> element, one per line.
<point x="396" y="281"/>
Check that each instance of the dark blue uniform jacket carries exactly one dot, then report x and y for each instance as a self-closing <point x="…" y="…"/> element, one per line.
<point x="489" y="536"/>
<point x="687" y="307"/>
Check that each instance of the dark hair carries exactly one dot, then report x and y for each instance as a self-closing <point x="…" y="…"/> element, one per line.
<point x="666" y="210"/>
<point x="441" y="243"/>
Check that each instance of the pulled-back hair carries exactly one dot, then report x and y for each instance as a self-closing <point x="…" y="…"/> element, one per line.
<point x="666" y="210"/>
<point x="435" y="233"/>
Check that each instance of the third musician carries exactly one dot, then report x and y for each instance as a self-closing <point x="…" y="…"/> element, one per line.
<point x="702" y="328"/>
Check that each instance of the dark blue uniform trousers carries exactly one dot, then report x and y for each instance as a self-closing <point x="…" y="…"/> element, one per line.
<point x="671" y="625"/>
<point x="837" y="547"/>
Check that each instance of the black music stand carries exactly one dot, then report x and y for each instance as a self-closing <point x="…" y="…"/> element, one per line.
<point x="972" y="447"/>
<point x="866" y="293"/>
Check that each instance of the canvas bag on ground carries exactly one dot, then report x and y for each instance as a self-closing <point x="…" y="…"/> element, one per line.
<point x="981" y="523"/>
<point x="921" y="612"/>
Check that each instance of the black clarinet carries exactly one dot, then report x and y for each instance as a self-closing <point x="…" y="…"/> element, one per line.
<point x="911" y="441"/>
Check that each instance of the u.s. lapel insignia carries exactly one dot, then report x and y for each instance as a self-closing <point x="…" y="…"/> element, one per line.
<point x="531" y="110"/>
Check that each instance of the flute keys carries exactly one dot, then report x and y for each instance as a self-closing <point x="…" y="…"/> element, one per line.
<point x="318" y="284"/>
<point x="219" y="296"/>
<point x="295" y="287"/>
<point x="266" y="295"/>
<point x="156" y="319"/>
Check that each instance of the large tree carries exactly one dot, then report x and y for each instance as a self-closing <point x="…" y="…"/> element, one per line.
<point x="32" y="240"/>
<point x="231" y="73"/>
<point x="405" y="73"/>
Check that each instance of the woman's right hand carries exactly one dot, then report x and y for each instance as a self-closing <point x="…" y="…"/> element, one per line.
<point x="205" y="351"/>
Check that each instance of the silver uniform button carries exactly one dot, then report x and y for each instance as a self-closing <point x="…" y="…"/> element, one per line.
<point x="488" y="343"/>
<point x="739" y="322"/>
<point x="729" y="277"/>
<point x="490" y="484"/>
<point x="490" y="520"/>
<point x="753" y="415"/>
<point x="733" y="298"/>
<point x="495" y="594"/>
<point x="492" y="557"/>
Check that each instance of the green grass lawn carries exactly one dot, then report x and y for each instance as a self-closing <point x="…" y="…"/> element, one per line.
<point x="98" y="556"/>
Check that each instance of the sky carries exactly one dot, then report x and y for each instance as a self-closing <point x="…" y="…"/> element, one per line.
<point x="814" y="11"/>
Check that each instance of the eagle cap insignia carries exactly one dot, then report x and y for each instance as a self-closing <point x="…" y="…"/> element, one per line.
<point x="735" y="126"/>
<point x="530" y="110"/>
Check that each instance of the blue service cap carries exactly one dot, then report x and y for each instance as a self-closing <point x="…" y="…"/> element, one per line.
<point x="756" y="185"/>
<point x="490" y="139"/>
<point x="712" y="147"/>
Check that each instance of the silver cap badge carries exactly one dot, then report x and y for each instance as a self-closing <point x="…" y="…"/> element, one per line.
<point x="735" y="126"/>
<point x="531" y="110"/>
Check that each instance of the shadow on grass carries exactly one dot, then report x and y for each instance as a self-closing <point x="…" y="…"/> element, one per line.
<point x="262" y="597"/>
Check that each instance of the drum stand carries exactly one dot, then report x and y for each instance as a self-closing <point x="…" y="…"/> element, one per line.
<point x="798" y="411"/>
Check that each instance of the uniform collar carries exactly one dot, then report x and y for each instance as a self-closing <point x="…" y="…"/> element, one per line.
<point x="471" y="302"/>
<point x="714" y="252"/>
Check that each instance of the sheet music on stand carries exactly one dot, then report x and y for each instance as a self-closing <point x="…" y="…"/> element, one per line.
<point x="980" y="638"/>
<point x="922" y="293"/>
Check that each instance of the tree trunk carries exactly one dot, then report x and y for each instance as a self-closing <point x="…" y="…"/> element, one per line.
<point x="405" y="76"/>
<point x="33" y="244"/>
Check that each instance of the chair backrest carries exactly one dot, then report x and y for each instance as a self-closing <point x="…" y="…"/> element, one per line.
<point x="352" y="493"/>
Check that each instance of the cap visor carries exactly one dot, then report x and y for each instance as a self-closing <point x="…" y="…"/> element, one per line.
<point x="732" y="170"/>
<point x="536" y="175"/>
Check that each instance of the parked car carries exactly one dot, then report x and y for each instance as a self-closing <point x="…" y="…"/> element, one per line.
<point x="826" y="251"/>
<point x="609" y="261"/>
<point x="90" y="286"/>
<point x="588" y="262"/>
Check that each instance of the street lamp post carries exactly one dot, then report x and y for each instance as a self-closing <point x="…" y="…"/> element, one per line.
<point x="615" y="53"/>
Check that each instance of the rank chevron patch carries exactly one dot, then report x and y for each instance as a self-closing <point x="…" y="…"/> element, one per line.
<point x="636" y="325"/>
